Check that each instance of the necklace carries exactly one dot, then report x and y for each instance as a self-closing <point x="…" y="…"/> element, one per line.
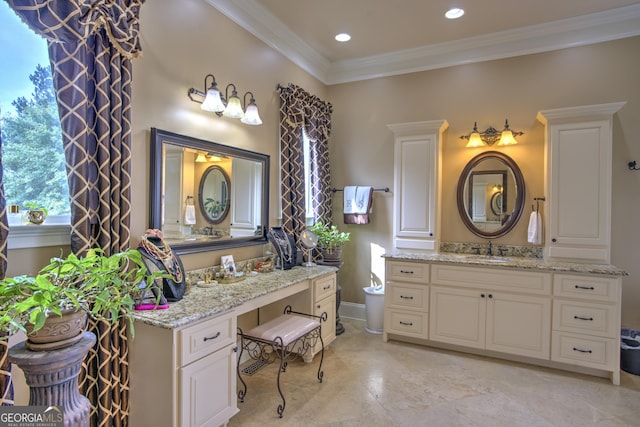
<point x="164" y="255"/>
<point x="283" y="244"/>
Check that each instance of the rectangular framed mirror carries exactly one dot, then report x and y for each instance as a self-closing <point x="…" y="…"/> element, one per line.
<point x="207" y="196"/>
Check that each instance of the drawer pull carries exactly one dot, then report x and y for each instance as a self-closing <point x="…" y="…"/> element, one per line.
<point x="582" y="351"/>
<point x="583" y="318"/>
<point x="406" y="323"/>
<point x="404" y="297"/>
<point x="406" y="271"/>
<point x="212" y="338"/>
<point x="586" y="288"/>
<point x="327" y="287"/>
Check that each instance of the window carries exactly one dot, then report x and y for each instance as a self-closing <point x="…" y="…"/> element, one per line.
<point x="32" y="152"/>
<point x="308" y="184"/>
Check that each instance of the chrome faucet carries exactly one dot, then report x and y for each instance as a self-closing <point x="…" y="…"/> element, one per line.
<point x="489" y="249"/>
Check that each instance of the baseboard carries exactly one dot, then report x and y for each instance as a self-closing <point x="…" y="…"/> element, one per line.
<point x="351" y="310"/>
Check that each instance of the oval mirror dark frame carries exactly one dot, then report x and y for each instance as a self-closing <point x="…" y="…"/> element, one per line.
<point x="205" y="202"/>
<point x="520" y="194"/>
<point x="158" y="139"/>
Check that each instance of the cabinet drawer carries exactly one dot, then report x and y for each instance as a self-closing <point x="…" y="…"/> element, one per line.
<point x="492" y="279"/>
<point x="585" y="318"/>
<point x="206" y="337"/>
<point x="411" y="324"/>
<point x="408" y="271"/>
<point x="586" y="287"/>
<point x="405" y="295"/>
<point x="582" y="350"/>
<point x="323" y="287"/>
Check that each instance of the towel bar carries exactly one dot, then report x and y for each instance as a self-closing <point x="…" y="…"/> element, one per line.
<point x="385" y="189"/>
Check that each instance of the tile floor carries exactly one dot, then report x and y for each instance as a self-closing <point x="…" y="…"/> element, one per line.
<point x="371" y="383"/>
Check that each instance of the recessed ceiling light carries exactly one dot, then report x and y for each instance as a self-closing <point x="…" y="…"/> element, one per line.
<point x="343" y="37"/>
<point x="454" y="13"/>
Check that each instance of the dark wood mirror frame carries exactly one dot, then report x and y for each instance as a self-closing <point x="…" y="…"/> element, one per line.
<point x="158" y="138"/>
<point x="520" y="194"/>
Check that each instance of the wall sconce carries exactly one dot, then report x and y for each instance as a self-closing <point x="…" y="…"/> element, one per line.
<point x="490" y="136"/>
<point x="229" y="106"/>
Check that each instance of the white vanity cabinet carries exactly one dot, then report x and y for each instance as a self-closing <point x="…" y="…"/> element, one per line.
<point x="586" y="322"/>
<point x="578" y="168"/>
<point x="406" y="300"/>
<point x="491" y="309"/>
<point x="184" y="377"/>
<point x="417" y="170"/>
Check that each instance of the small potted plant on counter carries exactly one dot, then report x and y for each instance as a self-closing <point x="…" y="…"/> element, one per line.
<point x="330" y="241"/>
<point x="100" y="286"/>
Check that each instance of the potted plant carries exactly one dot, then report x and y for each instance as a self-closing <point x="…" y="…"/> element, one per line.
<point x="330" y="240"/>
<point x="100" y="286"/>
<point x="35" y="213"/>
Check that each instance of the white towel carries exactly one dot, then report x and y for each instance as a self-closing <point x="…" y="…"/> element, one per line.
<point x="190" y="215"/>
<point x="535" y="228"/>
<point x="350" y="199"/>
<point x="357" y="204"/>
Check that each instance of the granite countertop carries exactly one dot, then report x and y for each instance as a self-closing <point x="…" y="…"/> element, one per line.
<point x="201" y="302"/>
<point x="520" y="263"/>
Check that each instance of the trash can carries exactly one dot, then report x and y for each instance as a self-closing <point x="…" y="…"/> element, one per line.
<point x="374" y="309"/>
<point x="630" y="351"/>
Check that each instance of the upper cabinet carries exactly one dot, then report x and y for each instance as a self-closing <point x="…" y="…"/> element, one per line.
<point x="578" y="172"/>
<point x="417" y="184"/>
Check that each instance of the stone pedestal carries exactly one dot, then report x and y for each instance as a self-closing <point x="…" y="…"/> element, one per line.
<point x="337" y="264"/>
<point x="52" y="377"/>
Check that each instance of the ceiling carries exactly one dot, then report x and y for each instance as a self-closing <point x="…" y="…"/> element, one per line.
<point x="390" y="38"/>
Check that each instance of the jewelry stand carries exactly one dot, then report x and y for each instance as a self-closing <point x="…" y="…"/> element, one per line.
<point x="52" y="377"/>
<point x="337" y="264"/>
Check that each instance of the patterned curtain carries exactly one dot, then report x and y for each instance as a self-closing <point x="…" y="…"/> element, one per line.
<point x="299" y="110"/>
<point x="6" y="386"/>
<point x="91" y="45"/>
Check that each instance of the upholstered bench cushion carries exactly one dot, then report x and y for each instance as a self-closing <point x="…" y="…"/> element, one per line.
<point x="287" y="326"/>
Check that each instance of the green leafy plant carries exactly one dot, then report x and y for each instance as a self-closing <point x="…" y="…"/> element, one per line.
<point x="329" y="237"/>
<point x="105" y="287"/>
<point x="213" y="207"/>
<point x="33" y="206"/>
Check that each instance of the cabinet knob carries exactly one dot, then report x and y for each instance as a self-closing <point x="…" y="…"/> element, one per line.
<point x="481" y="295"/>
<point x="554" y="240"/>
<point x="318" y="306"/>
<point x="490" y="295"/>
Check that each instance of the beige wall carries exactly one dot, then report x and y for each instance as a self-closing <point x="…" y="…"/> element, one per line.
<point x="516" y="88"/>
<point x="183" y="41"/>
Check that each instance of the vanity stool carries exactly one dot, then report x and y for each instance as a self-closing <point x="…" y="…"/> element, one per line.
<point x="285" y="337"/>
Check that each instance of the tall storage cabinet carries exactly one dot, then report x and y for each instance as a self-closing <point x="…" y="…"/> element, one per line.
<point x="578" y="166"/>
<point x="418" y="159"/>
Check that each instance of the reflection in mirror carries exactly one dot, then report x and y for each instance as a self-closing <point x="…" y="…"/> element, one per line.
<point x="491" y="194"/>
<point x="230" y="186"/>
<point x="213" y="196"/>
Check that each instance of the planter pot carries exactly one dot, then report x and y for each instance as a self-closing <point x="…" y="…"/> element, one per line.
<point x="35" y="216"/>
<point x="332" y="256"/>
<point x="58" y="331"/>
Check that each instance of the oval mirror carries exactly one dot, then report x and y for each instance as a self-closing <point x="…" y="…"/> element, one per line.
<point x="491" y="194"/>
<point x="213" y="196"/>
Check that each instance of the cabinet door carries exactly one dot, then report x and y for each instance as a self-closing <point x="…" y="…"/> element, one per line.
<point x="457" y="316"/>
<point x="580" y="190"/>
<point x="327" y="305"/>
<point x="519" y="324"/>
<point x="208" y="390"/>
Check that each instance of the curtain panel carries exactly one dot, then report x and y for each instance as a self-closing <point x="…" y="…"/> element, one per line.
<point x="91" y="45"/>
<point x="300" y="111"/>
<point x="6" y="386"/>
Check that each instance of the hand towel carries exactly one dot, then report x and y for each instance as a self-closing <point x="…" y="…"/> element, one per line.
<point x="535" y="228"/>
<point x="357" y="204"/>
<point x="190" y="215"/>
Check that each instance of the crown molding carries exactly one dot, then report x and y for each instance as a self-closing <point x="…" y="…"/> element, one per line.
<point x="577" y="31"/>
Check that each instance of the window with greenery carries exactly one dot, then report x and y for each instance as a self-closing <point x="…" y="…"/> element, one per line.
<point x="32" y="150"/>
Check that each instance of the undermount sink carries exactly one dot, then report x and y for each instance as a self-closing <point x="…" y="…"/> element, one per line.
<point x="496" y="260"/>
<point x="491" y="259"/>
